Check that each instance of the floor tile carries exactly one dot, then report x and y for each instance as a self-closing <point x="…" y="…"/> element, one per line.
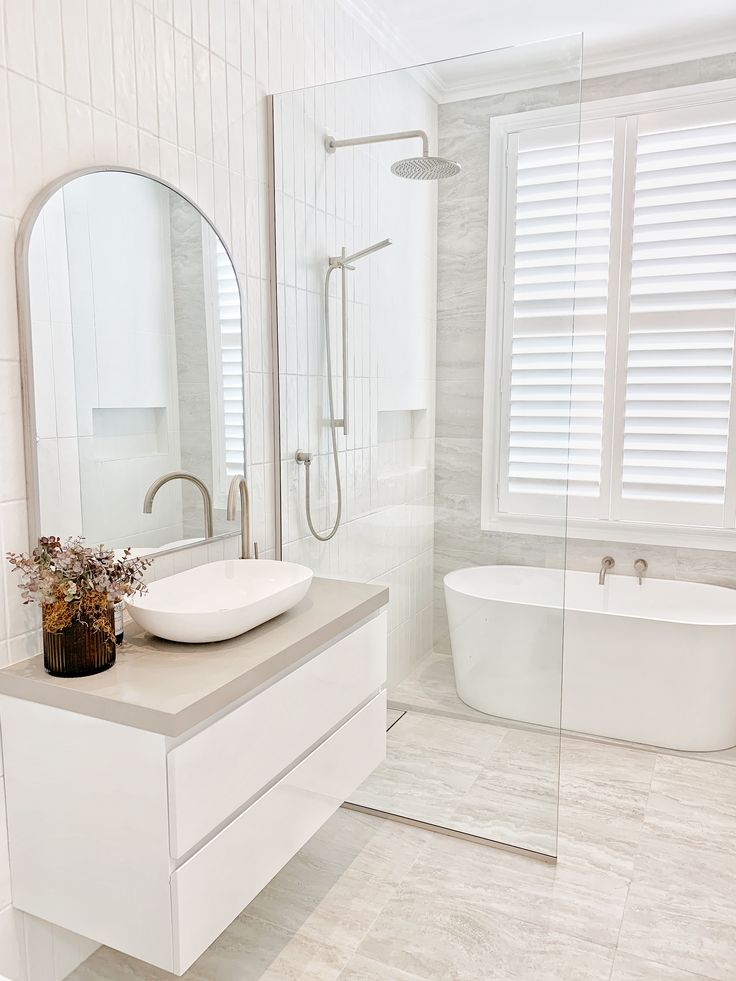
<point x="628" y="968"/>
<point x="365" y="969"/>
<point x="440" y="937"/>
<point x="249" y="950"/>
<point x="667" y="934"/>
<point x="587" y="905"/>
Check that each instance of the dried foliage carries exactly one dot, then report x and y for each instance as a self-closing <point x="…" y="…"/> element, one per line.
<point x="71" y="581"/>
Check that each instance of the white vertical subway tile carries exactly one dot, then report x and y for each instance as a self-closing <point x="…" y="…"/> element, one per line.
<point x="219" y="110"/>
<point x="145" y="69"/>
<point x="200" y="22"/>
<point x="169" y="162"/>
<point x="54" y="138"/>
<point x="8" y="322"/>
<point x="165" y="10"/>
<point x="165" y="80"/>
<point x="26" y="140"/>
<point x="49" y="48"/>
<point x="76" y="49"/>
<point x="232" y="33"/>
<point x="127" y="139"/>
<point x="149" y="159"/>
<point x="217" y="27"/>
<point x="7" y="181"/>
<point x="104" y="134"/>
<point x="183" y="16"/>
<point x="99" y="30"/>
<point x="81" y="138"/>
<point x="124" y="60"/>
<point x="20" y="55"/>
<point x="184" y="90"/>
<point x="202" y="101"/>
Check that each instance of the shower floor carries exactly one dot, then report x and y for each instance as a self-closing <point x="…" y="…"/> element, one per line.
<point x="451" y="766"/>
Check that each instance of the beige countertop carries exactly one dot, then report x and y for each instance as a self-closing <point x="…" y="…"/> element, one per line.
<point x="168" y="688"/>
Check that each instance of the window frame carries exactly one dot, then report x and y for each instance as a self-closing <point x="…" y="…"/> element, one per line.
<point x="567" y="522"/>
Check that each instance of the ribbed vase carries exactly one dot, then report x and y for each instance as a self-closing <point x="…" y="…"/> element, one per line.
<point x="78" y="650"/>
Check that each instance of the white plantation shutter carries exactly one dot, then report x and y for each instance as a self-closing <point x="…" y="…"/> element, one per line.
<point x="225" y="350"/>
<point x="559" y="220"/>
<point x="680" y="266"/>
<point x="231" y="362"/>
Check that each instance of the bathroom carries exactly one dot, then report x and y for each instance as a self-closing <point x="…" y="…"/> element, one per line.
<point x="455" y="292"/>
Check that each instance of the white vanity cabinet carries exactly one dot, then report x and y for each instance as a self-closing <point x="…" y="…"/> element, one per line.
<point x="152" y="842"/>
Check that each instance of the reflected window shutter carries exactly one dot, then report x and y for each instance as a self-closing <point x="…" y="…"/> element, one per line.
<point x="676" y="412"/>
<point x="231" y="361"/>
<point x="559" y="215"/>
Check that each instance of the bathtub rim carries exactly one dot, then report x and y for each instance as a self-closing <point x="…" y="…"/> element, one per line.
<point x="564" y="608"/>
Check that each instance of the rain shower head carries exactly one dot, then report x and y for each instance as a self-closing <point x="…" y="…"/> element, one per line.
<point x="424" y="168"/>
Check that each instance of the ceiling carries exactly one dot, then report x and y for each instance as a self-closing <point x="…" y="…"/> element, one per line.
<point x="619" y="35"/>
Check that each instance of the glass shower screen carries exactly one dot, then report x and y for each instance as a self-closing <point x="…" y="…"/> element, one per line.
<point x="426" y="230"/>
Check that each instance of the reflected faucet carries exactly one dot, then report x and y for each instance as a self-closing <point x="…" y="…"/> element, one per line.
<point x="608" y="563"/>
<point x="182" y="475"/>
<point x="239" y="483"/>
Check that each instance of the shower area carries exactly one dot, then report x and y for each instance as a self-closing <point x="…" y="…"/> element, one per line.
<point x="391" y="258"/>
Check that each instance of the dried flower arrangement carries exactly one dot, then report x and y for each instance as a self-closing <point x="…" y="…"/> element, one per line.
<point x="72" y="582"/>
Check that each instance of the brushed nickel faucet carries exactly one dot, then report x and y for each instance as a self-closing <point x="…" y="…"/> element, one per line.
<point x="239" y="484"/>
<point x="640" y="568"/>
<point x="182" y="475"/>
<point x="608" y="563"/>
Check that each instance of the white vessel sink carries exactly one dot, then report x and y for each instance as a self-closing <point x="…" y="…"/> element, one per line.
<point x="219" y="600"/>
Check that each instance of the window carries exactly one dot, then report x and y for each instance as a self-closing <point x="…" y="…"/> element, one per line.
<point x="618" y="306"/>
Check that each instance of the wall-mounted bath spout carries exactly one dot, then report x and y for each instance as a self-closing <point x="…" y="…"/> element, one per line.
<point x="640" y="568"/>
<point x="608" y="563"/>
<point x="182" y="475"/>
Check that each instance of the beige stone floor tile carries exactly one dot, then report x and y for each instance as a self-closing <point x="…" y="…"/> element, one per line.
<point x="628" y="968"/>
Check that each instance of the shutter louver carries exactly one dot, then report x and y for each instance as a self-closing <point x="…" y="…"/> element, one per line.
<point x="559" y="255"/>
<point x="682" y="310"/>
<point x="231" y="361"/>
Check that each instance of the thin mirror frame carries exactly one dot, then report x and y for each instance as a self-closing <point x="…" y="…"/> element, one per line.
<point x="23" y="289"/>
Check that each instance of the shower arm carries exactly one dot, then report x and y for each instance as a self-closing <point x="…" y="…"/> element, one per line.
<point x="409" y="134"/>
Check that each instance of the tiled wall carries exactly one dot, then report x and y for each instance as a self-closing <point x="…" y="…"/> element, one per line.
<point x="350" y="198"/>
<point x="461" y="305"/>
<point x="175" y="88"/>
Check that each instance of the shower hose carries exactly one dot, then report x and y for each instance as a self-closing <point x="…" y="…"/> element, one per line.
<point x="306" y="458"/>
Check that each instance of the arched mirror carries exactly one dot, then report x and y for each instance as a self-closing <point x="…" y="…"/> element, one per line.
<point x="133" y="354"/>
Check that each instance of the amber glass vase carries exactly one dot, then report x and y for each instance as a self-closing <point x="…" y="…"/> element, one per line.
<point x="78" y="650"/>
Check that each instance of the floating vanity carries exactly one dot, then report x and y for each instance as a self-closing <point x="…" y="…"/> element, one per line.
<point x="148" y="805"/>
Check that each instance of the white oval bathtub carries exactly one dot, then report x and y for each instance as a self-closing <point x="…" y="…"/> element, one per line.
<point x="653" y="664"/>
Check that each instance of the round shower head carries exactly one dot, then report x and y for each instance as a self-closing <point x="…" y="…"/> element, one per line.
<point x="425" y="168"/>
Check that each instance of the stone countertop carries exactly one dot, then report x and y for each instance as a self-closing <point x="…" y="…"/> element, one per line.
<point x="168" y="688"/>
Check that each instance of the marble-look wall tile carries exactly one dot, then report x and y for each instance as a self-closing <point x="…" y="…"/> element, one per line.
<point x="462" y="254"/>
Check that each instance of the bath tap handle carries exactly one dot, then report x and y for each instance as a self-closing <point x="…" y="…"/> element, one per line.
<point x="640" y="568"/>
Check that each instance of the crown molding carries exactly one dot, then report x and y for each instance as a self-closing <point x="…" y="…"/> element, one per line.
<point x="648" y="54"/>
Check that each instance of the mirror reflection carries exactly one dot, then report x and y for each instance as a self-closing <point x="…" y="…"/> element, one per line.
<point x="136" y="345"/>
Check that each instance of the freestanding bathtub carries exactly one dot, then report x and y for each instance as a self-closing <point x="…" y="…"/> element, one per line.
<point x="652" y="663"/>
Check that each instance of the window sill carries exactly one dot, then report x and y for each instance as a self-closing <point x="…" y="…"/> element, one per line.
<point x="632" y="532"/>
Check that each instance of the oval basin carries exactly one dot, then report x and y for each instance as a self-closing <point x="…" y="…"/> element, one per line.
<point x="219" y="600"/>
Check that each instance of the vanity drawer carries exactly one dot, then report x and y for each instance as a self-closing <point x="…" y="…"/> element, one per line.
<point x="218" y="882"/>
<point x="213" y="774"/>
